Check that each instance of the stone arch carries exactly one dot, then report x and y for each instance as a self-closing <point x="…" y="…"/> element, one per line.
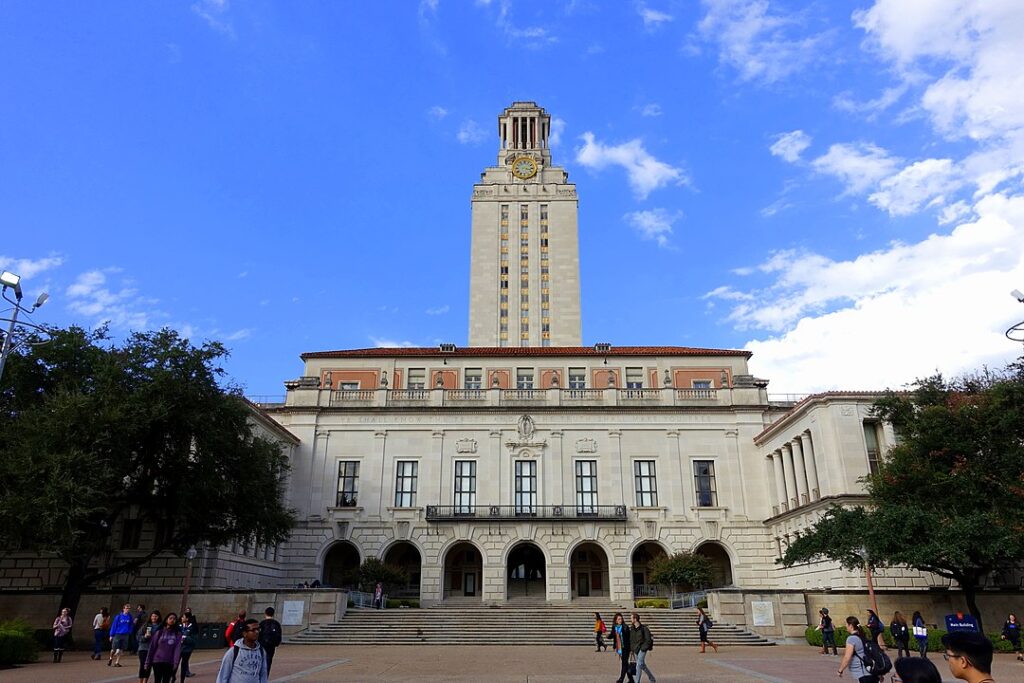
<point x="722" y="562"/>
<point x="462" y="571"/>
<point x="406" y="556"/>
<point x="589" y="570"/>
<point x="340" y="564"/>
<point x="641" y="558"/>
<point x="526" y="570"/>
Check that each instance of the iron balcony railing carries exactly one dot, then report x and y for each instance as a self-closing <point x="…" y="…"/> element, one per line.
<point x="442" y="513"/>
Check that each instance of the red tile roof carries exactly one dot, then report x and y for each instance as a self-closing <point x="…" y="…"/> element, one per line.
<point x="526" y="351"/>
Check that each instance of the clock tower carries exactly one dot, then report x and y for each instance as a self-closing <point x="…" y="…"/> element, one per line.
<point x="524" y="270"/>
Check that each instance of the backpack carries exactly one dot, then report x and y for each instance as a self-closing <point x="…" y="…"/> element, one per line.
<point x="876" y="662"/>
<point x="708" y="623"/>
<point x="270" y="633"/>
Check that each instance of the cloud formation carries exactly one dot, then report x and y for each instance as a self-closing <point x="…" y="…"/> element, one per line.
<point x="857" y="165"/>
<point x="652" y="18"/>
<point x="121" y="307"/>
<point x="653" y="224"/>
<point x="28" y="268"/>
<point x="215" y="14"/>
<point x="789" y="146"/>
<point x="644" y="172"/>
<point x="470" y="133"/>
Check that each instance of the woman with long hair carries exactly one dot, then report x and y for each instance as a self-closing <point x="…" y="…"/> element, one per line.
<point x="165" y="650"/>
<point x="704" y="625"/>
<point x="144" y="638"/>
<point x="61" y="628"/>
<point x="599" y="631"/>
<point x="100" y="626"/>
<point x="620" y="639"/>
<point x="853" y="657"/>
<point x="920" y="634"/>
<point x="875" y="628"/>
<point x="900" y="634"/>
<point x="1011" y="632"/>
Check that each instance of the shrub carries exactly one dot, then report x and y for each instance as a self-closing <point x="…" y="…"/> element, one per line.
<point x="394" y="603"/>
<point x="658" y="603"/>
<point x="17" y="643"/>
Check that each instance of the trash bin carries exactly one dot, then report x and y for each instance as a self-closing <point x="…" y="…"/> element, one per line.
<point x="211" y="637"/>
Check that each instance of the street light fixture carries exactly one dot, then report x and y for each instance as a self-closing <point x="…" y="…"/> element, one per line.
<point x="11" y="281"/>
<point x="1016" y="332"/>
<point x="862" y="553"/>
<point x="190" y="555"/>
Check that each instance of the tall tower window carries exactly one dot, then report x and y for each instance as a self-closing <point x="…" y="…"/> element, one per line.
<point x="503" y="278"/>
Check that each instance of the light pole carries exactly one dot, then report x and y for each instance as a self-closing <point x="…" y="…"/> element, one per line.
<point x="862" y="553"/>
<point x="190" y="555"/>
<point x="11" y="281"/>
<point x="1016" y="333"/>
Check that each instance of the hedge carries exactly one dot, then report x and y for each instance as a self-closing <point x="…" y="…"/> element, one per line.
<point x="17" y="644"/>
<point x="394" y="603"/>
<point x="659" y="603"/>
<point x="934" y="639"/>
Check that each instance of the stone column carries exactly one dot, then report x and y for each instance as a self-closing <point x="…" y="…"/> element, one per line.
<point x="812" y="467"/>
<point x="801" y="472"/>
<point x="791" y="490"/>
<point x="781" y="500"/>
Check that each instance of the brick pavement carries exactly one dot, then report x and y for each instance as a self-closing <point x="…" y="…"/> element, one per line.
<point x="405" y="664"/>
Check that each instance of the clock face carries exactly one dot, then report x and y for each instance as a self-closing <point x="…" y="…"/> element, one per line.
<point x="524" y="168"/>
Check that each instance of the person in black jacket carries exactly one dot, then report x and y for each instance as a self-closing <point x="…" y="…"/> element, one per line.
<point x="620" y="638"/>
<point x="900" y="633"/>
<point x="641" y="641"/>
<point x="270" y="635"/>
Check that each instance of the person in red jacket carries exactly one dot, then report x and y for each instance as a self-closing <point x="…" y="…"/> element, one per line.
<point x="234" y="631"/>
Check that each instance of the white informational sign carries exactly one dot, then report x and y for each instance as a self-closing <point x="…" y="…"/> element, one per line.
<point x="762" y="612"/>
<point x="291" y="613"/>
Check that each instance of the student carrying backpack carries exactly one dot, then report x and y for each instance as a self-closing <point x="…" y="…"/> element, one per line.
<point x="866" y="661"/>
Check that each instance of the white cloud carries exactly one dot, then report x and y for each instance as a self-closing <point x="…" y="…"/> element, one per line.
<point x="921" y="183"/>
<point x="384" y="343"/>
<point x="761" y="45"/>
<point x="844" y="101"/>
<point x="530" y="37"/>
<point x="884" y="318"/>
<point x="954" y="212"/>
<point x="437" y="112"/>
<point x="122" y="308"/>
<point x="28" y="268"/>
<point x="470" y="133"/>
<point x="645" y="172"/>
<point x="215" y="14"/>
<point x="654" y="224"/>
<point x="650" y="110"/>
<point x="438" y="310"/>
<point x="238" y="335"/>
<point x="858" y="165"/>
<point x="557" y="128"/>
<point x="652" y="18"/>
<point x="789" y="146"/>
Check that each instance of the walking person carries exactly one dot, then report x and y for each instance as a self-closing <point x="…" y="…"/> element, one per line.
<point x="916" y="671"/>
<point x="704" y="625"/>
<point x="875" y="628"/>
<point x="165" y="650"/>
<point x="270" y="635"/>
<point x="144" y="637"/>
<point x="234" y="630"/>
<point x="620" y="640"/>
<point x="853" y="656"/>
<point x="920" y="634"/>
<point x="1011" y="632"/>
<point x="121" y="629"/>
<point x="188" y="644"/>
<point x="641" y="642"/>
<point x="141" y="617"/>
<point x="599" y="630"/>
<point x="100" y="626"/>
<point x="245" y="661"/>
<point x="828" y="632"/>
<point x="900" y="634"/>
<point x="969" y="656"/>
<point x="61" y="628"/>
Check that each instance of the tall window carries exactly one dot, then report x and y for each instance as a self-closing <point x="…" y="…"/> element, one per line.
<point x="405" y="483"/>
<point x="526" y="487"/>
<point x="348" y="478"/>
<point x="524" y="378"/>
<point x="634" y="378"/>
<point x="646" y="483"/>
<point x="586" y="487"/>
<point x="872" y="441"/>
<point x="577" y="378"/>
<point x="465" y="486"/>
<point x="474" y="378"/>
<point x="704" y="482"/>
<point x="417" y="378"/>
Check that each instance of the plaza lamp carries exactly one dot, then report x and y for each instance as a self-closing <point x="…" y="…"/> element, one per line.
<point x="190" y="555"/>
<point x="862" y="553"/>
<point x="1016" y="333"/>
<point x="13" y="282"/>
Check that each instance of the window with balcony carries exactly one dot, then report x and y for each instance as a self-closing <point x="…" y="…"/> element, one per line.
<point x="577" y="378"/>
<point x="872" y="441"/>
<point x="526" y="487"/>
<point x="417" y="378"/>
<point x="465" y="486"/>
<point x="348" y="386"/>
<point x="586" y="487"/>
<point x="348" y="480"/>
<point x="474" y="378"/>
<point x="646" y="483"/>
<point x="634" y="378"/>
<point x="701" y="384"/>
<point x="406" y="472"/>
<point x="704" y="483"/>
<point x="524" y="376"/>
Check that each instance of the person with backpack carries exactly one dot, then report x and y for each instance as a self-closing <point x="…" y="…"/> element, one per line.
<point x="704" y="625"/>
<point x="245" y="661"/>
<point x="900" y="633"/>
<point x="828" y="632"/>
<point x="270" y="635"/>
<point x="920" y="634"/>
<point x="61" y="628"/>
<point x="234" y="630"/>
<point x="620" y="639"/>
<point x="875" y="628"/>
<point x="641" y="642"/>
<point x="864" y="659"/>
<point x="599" y="630"/>
<point x="188" y="644"/>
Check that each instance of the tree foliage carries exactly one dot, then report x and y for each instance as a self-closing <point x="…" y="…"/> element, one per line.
<point x="948" y="498"/>
<point x="93" y="433"/>
<point x="681" y="569"/>
<point x="374" y="570"/>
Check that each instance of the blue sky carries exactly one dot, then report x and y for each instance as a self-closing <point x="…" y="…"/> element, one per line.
<point x="834" y="185"/>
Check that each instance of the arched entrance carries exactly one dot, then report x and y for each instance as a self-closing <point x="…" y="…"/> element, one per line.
<point x="644" y="557"/>
<point x="526" y="572"/>
<point x="463" y="571"/>
<point x="588" y="571"/>
<point x="341" y="566"/>
<point x="721" y="565"/>
<point x="405" y="557"/>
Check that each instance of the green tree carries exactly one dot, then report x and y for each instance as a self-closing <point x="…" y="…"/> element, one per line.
<point x="93" y="433"/>
<point x="374" y="570"/>
<point x="948" y="498"/>
<point x="681" y="569"/>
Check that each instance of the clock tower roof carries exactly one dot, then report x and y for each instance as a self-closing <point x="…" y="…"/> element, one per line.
<point x="524" y="127"/>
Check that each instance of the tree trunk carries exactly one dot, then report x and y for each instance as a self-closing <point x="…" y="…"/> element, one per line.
<point x="74" y="584"/>
<point x="970" y="588"/>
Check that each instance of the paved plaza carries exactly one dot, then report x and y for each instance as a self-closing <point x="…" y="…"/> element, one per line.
<point x="780" y="664"/>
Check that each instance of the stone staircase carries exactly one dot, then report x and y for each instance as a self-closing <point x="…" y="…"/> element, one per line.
<point x="535" y="624"/>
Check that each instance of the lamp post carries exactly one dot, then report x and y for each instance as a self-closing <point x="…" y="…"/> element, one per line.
<point x="190" y="555"/>
<point x="11" y="281"/>
<point x="1016" y="332"/>
<point x="862" y="553"/>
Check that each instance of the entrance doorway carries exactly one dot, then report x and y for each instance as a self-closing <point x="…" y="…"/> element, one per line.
<point x="721" y="565"/>
<point x="463" y="567"/>
<point x="526" y="572"/>
<point x="405" y="557"/>
<point x="589" y="571"/>
<point x="644" y="557"/>
<point x="341" y="566"/>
